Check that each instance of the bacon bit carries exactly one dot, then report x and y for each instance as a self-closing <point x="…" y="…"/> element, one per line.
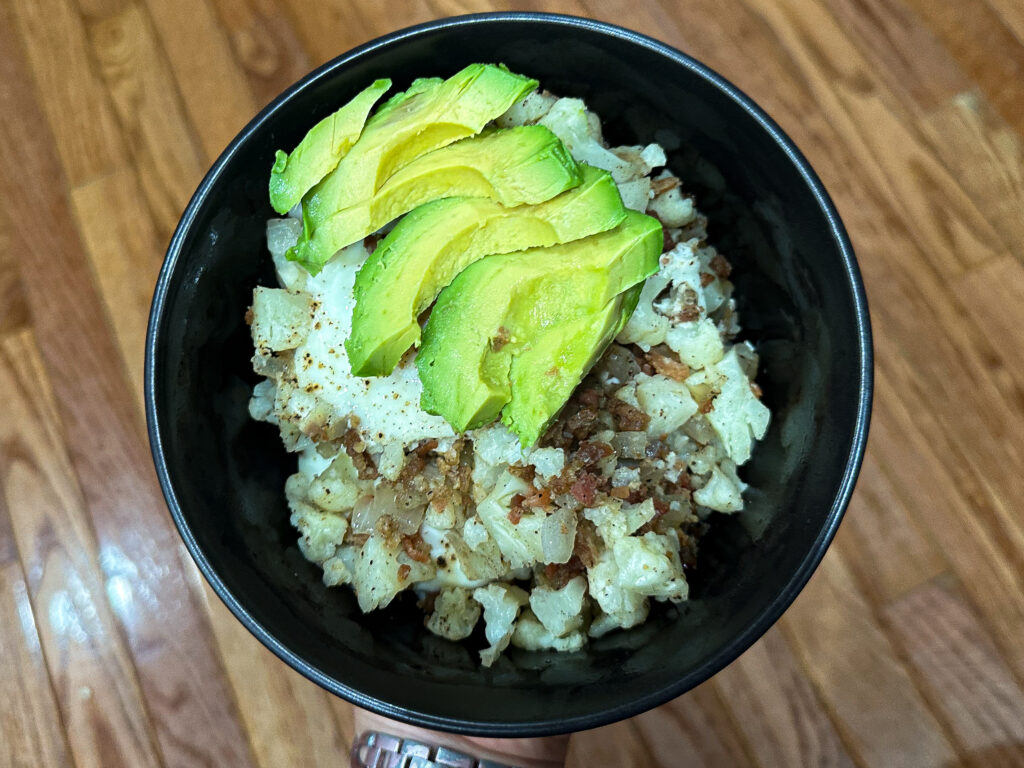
<point x="667" y="243"/>
<point x="560" y="574"/>
<point x="355" y="447"/>
<point x="416" y="548"/>
<point x="585" y="547"/>
<point x="756" y="389"/>
<point x="414" y="464"/>
<point x="660" y="186"/>
<point x="707" y="406"/>
<point x="403" y="571"/>
<point x="706" y="279"/>
<point x="526" y="473"/>
<point x="669" y="368"/>
<point x="591" y="398"/>
<point x="590" y="453"/>
<point x="424" y="449"/>
<point x="720" y="266"/>
<point x="585" y="489"/>
<point x="541" y="498"/>
<point x="515" y="512"/>
<point x="627" y="418"/>
<point x="690" y="309"/>
<point x="581" y="421"/>
<point x="620" y="492"/>
<point x="249" y="317"/>
<point x="442" y="497"/>
<point x="500" y="338"/>
<point x="637" y="495"/>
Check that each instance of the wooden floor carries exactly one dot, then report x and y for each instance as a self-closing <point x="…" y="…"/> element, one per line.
<point x="907" y="647"/>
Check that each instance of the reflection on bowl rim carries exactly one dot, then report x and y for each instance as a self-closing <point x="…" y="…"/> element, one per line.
<point x="770" y="613"/>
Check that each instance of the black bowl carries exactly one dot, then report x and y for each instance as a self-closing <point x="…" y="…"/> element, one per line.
<point x="801" y="302"/>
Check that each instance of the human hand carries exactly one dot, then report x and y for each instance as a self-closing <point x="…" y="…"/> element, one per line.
<point x="546" y="752"/>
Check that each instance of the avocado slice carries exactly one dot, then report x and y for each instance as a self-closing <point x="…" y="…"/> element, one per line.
<point x="436" y="241"/>
<point x="559" y="359"/>
<point x="429" y="115"/>
<point x="321" y="149"/>
<point x="528" y="164"/>
<point x="500" y="306"/>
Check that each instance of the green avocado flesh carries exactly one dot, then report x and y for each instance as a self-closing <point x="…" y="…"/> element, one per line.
<point x="506" y="306"/>
<point x="321" y="149"/>
<point x="554" y="356"/>
<point x="430" y="115"/>
<point x="521" y="165"/>
<point x="436" y="241"/>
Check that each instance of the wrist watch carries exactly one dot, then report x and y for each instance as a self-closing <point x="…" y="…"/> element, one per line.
<point x="382" y="750"/>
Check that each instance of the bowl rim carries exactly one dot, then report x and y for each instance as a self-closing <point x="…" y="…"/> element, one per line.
<point x="768" y="615"/>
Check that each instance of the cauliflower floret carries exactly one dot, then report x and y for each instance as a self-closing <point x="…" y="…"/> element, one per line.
<point x="520" y="543"/>
<point x="626" y="607"/>
<point x="501" y="604"/>
<point x="647" y="327"/>
<point x="671" y="207"/>
<point x="649" y="565"/>
<point x="636" y="194"/>
<point x="560" y="610"/>
<point x="616" y="519"/>
<point x="338" y="487"/>
<point x="261" y="406"/>
<point x="697" y="343"/>
<point x="455" y="614"/>
<point x="531" y="635"/>
<point x="494" y="447"/>
<point x="380" y="572"/>
<point x="723" y="491"/>
<point x="337" y="571"/>
<point x="667" y="402"/>
<point x="321" y="533"/>
<point x="391" y="461"/>
<point x="280" y="319"/>
<point x="547" y="461"/>
<point x="567" y="119"/>
<point x="738" y="417"/>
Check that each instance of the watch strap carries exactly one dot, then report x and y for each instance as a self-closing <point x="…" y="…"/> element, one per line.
<point x="374" y="749"/>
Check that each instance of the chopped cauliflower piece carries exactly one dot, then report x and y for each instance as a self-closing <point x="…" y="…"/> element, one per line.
<point x="626" y="607"/>
<point x="501" y="603"/>
<point x="668" y="403"/>
<point x="567" y="119"/>
<point x="455" y="614"/>
<point x="738" y="417"/>
<point x="282" y="234"/>
<point x="520" y="542"/>
<point x="649" y="565"/>
<point x="281" y="319"/>
<point x="531" y="635"/>
<point x="338" y="487"/>
<point x="723" y="491"/>
<point x="560" y="610"/>
<point x="697" y="343"/>
<point x="380" y="572"/>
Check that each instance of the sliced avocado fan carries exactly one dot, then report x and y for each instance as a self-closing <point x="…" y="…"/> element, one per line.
<point x="521" y="165"/>
<point x="429" y="115"/>
<point x="503" y="306"/>
<point x="321" y="149"/>
<point x="436" y="241"/>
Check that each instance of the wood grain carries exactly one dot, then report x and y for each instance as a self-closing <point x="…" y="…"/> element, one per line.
<point x="904" y="650"/>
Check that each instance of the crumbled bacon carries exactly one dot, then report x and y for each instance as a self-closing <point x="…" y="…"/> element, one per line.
<point x="526" y="473"/>
<point x="586" y="545"/>
<point x="416" y="548"/>
<point x="627" y="418"/>
<point x="667" y="367"/>
<point x="707" y="406"/>
<point x="620" y="492"/>
<point x="424" y="448"/>
<point x="706" y="279"/>
<point x="591" y="453"/>
<point x="720" y="266"/>
<point x="560" y="574"/>
<point x="403" y="571"/>
<point x="249" y="317"/>
<point x="590" y="398"/>
<point x="660" y="186"/>
<point x="500" y="338"/>
<point x="515" y="511"/>
<point x="581" y="421"/>
<point x="541" y="498"/>
<point x="355" y="448"/>
<point x="585" y="489"/>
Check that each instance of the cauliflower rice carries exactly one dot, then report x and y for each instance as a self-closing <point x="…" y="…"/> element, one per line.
<point x="552" y="544"/>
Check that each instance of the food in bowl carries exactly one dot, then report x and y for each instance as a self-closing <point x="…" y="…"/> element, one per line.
<point x="523" y="399"/>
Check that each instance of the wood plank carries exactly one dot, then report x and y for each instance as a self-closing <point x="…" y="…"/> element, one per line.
<point x="179" y="670"/>
<point x="125" y="255"/>
<point x="213" y="87"/>
<point x="987" y="157"/>
<point x="31" y="733"/>
<point x="857" y="673"/>
<point x="275" y="702"/>
<point x="699" y="726"/>
<point x="986" y="49"/>
<point x="619" y="744"/>
<point x="992" y="293"/>
<point x="1011" y="13"/>
<point x="162" y="143"/>
<point x="14" y="314"/>
<point x="95" y="682"/>
<point x="85" y="130"/>
<point x="962" y="672"/>
<point x="265" y="44"/>
<point x="882" y="539"/>
<point x="778" y="709"/>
